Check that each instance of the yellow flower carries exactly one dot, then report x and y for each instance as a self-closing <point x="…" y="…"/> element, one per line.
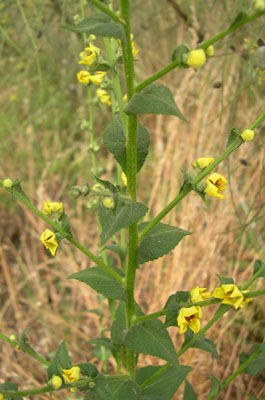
<point x="189" y="317"/>
<point x="125" y="98"/>
<point x="83" y="77"/>
<point x="89" y="55"/>
<point x="210" y="51"/>
<point x="135" y="51"/>
<point x="197" y="294"/>
<point x="246" y="300"/>
<point x="103" y="96"/>
<point x="50" y="207"/>
<point x="56" y="381"/>
<point x="108" y="202"/>
<point x="7" y="183"/>
<point x="247" y="135"/>
<point x="230" y="294"/>
<point x="215" y="184"/>
<point x="14" y="97"/>
<point x="196" y="58"/>
<point x="92" y="37"/>
<point x="72" y="374"/>
<point x="98" y="77"/>
<point x="203" y="162"/>
<point x="48" y="238"/>
<point x="124" y="179"/>
<point x="259" y="5"/>
<point x="1" y="396"/>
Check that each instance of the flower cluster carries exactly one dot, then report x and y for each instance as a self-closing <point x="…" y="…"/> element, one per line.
<point x="189" y="317"/>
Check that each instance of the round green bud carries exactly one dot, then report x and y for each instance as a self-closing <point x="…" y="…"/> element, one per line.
<point x="91" y="385"/>
<point x="108" y="202"/>
<point x="8" y="183"/>
<point x="97" y="188"/>
<point x="210" y="51"/>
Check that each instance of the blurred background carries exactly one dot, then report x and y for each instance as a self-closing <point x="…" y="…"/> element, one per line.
<point x="42" y="106"/>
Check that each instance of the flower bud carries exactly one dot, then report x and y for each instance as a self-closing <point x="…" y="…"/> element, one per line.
<point x="8" y="183"/>
<point x="210" y="51"/>
<point x="247" y="135"/>
<point x="56" y="381"/>
<point x="259" y="5"/>
<point x="124" y="179"/>
<point x="108" y="202"/>
<point x="97" y="188"/>
<point x="196" y="58"/>
<point x="13" y="338"/>
<point x="1" y="396"/>
<point x="91" y="385"/>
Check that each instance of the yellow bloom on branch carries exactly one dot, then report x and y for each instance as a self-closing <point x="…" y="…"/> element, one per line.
<point x="230" y="294"/>
<point x="50" y="207"/>
<point x="189" y="317"/>
<point x="98" y="77"/>
<point x="196" y="58"/>
<point x="103" y="96"/>
<point x="197" y="294"/>
<point x="89" y="55"/>
<point x="83" y="77"/>
<point x="56" y="381"/>
<point x="48" y="238"/>
<point x="216" y="183"/>
<point x="247" y="135"/>
<point x="72" y="374"/>
<point x="124" y="179"/>
<point x="203" y="162"/>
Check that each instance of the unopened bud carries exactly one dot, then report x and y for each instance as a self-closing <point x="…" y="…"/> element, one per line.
<point x="247" y="135"/>
<point x="97" y="188"/>
<point x="8" y="183"/>
<point x="13" y="338"/>
<point x="56" y="381"/>
<point x="259" y="5"/>
<point x="91" y="385"/>
<point x="108" y="202"/>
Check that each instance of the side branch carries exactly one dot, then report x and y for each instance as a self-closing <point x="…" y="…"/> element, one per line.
<point x="107" y="11"/>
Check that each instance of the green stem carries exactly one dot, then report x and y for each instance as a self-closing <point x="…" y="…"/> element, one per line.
<point x="106" y="11"/>
<point x="91" y="130"/>
<point x="235" y="374"/>
<point x="204" y="45"/>
<point x="58" y="228"/>
<point x="253" y="278"/>
<point x="29" y="351"/>
<point x="202" y="175"/>
<point x="231" y="29"/>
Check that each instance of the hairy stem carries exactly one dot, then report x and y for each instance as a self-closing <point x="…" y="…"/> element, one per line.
<point x="106" y="11"/>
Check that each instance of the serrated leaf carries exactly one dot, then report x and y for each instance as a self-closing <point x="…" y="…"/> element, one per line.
<point x="115" y="142"/>
<point x="100" y="281"/>
<point x="10" y="386"/>
<point x="256" y="366"/>
<point x="189" y="393"/>
<point x="215" y="386"/>
<point x="101" y="390"/>
<point x="122" y="390"/>
<point x="151" y="337"/>
<point x="101" y="341"/>
<point x="60" y="361"/>
<point x="124" y="216"/>
<point x="65" y="224"/>
<point x="154" y="99"/>
<point x="225" y="281"/>
<point x="99" y="25"/>
<point x="233" y="135"/>
<point x="17" y="188"/>
<point x="165" y="385"/>
<point x="116" y="248"/>
<point x="206" y="345"/>
<point x="159" y="241"/>
<point x="118" y="328"/>
<point x="257" y="266"/>
<point x="173" y="305"/>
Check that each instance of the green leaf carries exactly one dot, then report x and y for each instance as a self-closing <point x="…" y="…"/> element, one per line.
<point x="206" y="345"/>
<point x="257" y="266"/>
<point x="60" y="361"/>
<point x="10" y="386"/>
<point x="159" y="241"/>
<point x="114" y="220"/>
<point x="101" y="390"/>
<point x="189" y="393"/>
<point x="250" y="397"/>
<point x="115" y="142"/>
<point x="99" y="25"/>
<point x="165" y="385"/>
<point x="178" y="53"/>
<point x="225" y="281"/>
<point x="233" y="135"/>
<point x="118" y="328"/>
<point x="100" y="281"/>
<point x="151" y="337"/>
<point x="65" y="224"/>
<point x="17" y="188"/>
<point x="88" y="369"/>
<point x="116" y="248"/>
<point x="122" y="390"/>
<point x="154" y="99"/>
<point x="256" y="366"/>
<point x="215" y="386"/>
<point x="173" y="305"/>
<point x="101" y="341"/>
